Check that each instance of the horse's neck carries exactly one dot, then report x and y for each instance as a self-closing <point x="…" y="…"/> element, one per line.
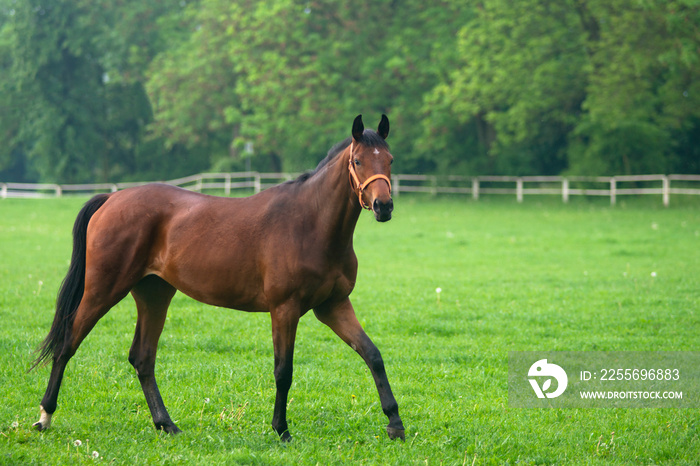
<point x="338" y="209"/>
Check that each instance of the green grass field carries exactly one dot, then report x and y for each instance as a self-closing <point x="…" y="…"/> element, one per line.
<point x="537" y="276"/>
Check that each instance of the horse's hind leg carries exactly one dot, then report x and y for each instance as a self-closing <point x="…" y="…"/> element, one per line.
<point x="152" y="295"/>
<point x="90" y="310"/>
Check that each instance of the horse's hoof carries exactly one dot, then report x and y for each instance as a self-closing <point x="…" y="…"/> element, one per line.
<point x="39" y="426"/>
<point x="286" y="436"/>
<point x="44" y="421"/>
<point x="169" y="428"/>
<point x="395" y="433"/>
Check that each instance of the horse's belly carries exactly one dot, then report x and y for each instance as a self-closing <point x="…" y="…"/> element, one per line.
<point x="217" y="281"/>
<point x="231" y="296"/>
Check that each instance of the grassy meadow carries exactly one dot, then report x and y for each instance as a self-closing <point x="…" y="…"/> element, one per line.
<point x="536" y="276"/>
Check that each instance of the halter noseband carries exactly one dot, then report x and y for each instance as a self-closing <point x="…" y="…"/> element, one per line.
<point x="362" y="186"/>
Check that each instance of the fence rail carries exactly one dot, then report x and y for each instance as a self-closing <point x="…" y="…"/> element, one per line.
<point x="608" y="186"/>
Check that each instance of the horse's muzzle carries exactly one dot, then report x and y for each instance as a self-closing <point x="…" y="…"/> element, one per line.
<point x="383" y="210"/>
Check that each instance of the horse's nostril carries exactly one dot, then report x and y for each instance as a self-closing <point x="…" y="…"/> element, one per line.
<point x="379" y="206"/>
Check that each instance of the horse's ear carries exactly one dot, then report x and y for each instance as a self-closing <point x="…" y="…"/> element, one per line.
<point x="384" y="127"/>
<point x="357" y="128"/>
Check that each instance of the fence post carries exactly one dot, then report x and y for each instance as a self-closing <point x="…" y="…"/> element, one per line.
<point x="475" y="188"/>
<point x="114" y="188"/>
<point x="613" y="191"/>
<point x="227" y="184"/>
<point x="396" y="185"/>
<point x="666" y="190"/>
<point x="59" y="191"/>
<point x="519" y="189"/>
<point x="3" y="191"/>
<point x="565" y="190"/>
<point x="257" y="183"/>
<point x="198" y="185"/>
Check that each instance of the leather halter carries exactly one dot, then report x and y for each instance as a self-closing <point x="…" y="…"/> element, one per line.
<point x="362" y="186"/>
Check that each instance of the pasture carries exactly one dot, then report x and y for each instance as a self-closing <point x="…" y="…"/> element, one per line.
<point x="537" y="276"/>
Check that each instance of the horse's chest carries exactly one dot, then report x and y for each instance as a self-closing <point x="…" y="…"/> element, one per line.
<point x="333" y="287"/>
<point x="313" y="286"/>
<point x="311" y="277"/>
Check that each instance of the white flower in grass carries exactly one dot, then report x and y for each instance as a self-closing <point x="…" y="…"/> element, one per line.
<point x="15" y="425"/>
<point x="95" y="455"/>
<point x="206" y="400"/>
<point x="653" y="274"/>
<point x="77" y="443"/>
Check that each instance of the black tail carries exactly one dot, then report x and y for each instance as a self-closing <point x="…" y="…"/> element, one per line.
<point x="72" y="287"/>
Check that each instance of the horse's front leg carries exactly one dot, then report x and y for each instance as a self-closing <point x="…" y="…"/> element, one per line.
<point x="342" y="320"/>
<point x="284" y="328"/>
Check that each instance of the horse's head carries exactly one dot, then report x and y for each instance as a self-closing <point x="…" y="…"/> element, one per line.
<point x="370" y="168"/>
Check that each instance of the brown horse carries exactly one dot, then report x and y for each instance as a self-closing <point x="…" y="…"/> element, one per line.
<point x="284" y="251"/>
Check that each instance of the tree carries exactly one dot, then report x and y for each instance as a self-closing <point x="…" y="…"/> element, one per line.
<point x="102" y="90"/>
<point x="587" y="86"/>
<point x="59" y="126"/>
<point x="642" y="103"/>
<point x="517" y="88"/>
<point x="11" y="156"/>
<point x="192" y="87"/>
<point x="287" y="77"/>
<point x="73" y="68"/>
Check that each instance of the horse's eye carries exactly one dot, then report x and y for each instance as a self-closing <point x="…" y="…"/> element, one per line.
<point x="391" y="162"/>
<point x="357" y="162"/>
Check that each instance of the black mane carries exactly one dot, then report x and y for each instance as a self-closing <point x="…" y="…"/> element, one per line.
<point x="369" y="138"/>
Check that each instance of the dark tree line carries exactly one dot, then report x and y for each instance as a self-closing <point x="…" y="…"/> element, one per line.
<point x="97" y="90"/>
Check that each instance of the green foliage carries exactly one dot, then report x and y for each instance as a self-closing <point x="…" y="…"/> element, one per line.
<point x="78" y="108"/>
<point x="641" y="97"/>
<point x="535" y="276"/>
<point x="288" y="77"/>
<point x="60" y="122"/>
<point x="518" y="80"/>
<point x="192" y="85"/>
<point x="101" y="90"/>
<point x="600" y="87"/>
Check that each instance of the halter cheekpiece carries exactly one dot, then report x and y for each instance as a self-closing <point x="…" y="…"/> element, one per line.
<point x="355" y="181"/>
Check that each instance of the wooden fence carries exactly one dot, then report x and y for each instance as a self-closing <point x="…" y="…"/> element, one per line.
<point x="608" y="186"/>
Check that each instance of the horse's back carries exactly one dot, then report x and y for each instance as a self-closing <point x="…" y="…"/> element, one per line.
<point x="242" y="253"/>
<point x="206" y="246"/>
